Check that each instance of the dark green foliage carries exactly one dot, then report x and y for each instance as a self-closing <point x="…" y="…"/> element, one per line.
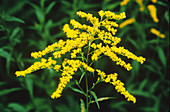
<point x="31" y="25"/>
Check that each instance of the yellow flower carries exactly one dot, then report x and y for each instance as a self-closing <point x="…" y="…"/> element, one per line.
<point x="152" y="10"/>
<point x="119" y="86"/>
<point x="154" y="1"/>
<point x="124" y="2"/>
<point x="128" y="21"/>
<point x="140" y="2"/>
<point x="82" y="41"/>
<point x="157" y="33"/>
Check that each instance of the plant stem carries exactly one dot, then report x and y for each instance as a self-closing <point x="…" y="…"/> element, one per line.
<point x="87" y="102"/>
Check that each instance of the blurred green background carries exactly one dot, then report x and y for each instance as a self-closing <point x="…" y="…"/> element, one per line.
<point x="31" y="25"/>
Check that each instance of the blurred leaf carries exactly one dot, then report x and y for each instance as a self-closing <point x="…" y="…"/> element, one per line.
<point x="2" y="83"/>
<point x="119" y="106"/>
<point x="143" y="93"/>
<point x="150" y="68"/>
<point x="17" y="107"/>
<point x="112" y="6"/>
<point x="82" y="105"/>
<point x="14" y="33"/>
<point x="135" y="66"/>
<point x="143" y="84"/>
<point x="148" y="109"/>
<point x="161" y="55"/>
<point x="167" y="16"/>
<point x="66" y="3"/>
<point x="7" y="91"/>
<point x="4" y="53"/>
<point x="154" y="85"/>
<point x="12" y="18"/>
<point x="50" y="7"/>
<point x="39" y="13"/>
<point x="29" y="84"/>
<point x="161" y="3"/>
<point x="95" y="97"/>
<point x="133" y="42"/>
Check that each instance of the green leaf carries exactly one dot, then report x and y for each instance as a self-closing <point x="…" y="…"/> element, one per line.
<point x="4" y="53"/>
<point x="82" y="76"/>
<point x="14" y="33"/>
<point x="12" y="18"/>
<point x="2" y="83"/>
<point x="143" y="84"/>
<point x="40" y="15"/>
<point x="161" y="3"/>
<point x="17" y="107"/>
<point x="7" y="91"/>
<point x="150" y="68"/>
<point x="161" y="55"/>
<point x="29" y="84"/>
<point x="167" y="16"/>
<point x="133" y="42"/>
<point x="154" y="85"/>
<point x="82" y="105"/>
<point x="50" y="7"/>
<point x="95" y="97"/>
<point x="112" y="6"/>
<point x="143" y="93"/>
<point x="76" y="90"/>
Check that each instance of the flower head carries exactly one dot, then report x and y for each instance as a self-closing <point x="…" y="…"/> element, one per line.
<point x="82" y="46"/>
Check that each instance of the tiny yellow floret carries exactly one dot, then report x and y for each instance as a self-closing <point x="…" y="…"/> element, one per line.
<point x="128" y="21"/>
<point x="157" y="33"/>
<point x="152" y="10"/>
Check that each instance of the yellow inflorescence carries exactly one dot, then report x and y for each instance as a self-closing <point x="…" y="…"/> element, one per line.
<point x="124" y="2"/>
<point x="154" y="1"/>
<point x="152" y="10"/>
<point x="128" y="21"/>
<point x="81" y="38"/>
<point x="119" y="86"/>
<point x="157" y="33"/>
<point x="140" y="2"/>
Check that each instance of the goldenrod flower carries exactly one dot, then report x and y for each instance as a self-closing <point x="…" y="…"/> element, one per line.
<point x="128" y="21"/>
<point x="152" y="10"/>
<point x="157" y="33"/>
<point x="154" y="1"/>
<point x="124" y="2"/>
<point x="140" y="2"/>
<point x="82" y="42"/>
<point x="119" y="86"/>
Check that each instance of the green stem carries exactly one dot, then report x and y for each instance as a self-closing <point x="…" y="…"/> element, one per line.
<point x="87" y="102"/>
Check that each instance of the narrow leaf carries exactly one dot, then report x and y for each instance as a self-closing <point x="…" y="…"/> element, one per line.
<point x="14" y="19"/>
<point x="161" y="55"/>
<point x="82" y="76"/>
<point x="95" y="97"/>
<point x="76" y="90"/>
<point x="50" y="7"/>
<point x="29" y="84"/>
<point x="17" y="107"/>
<point x="82" y="105"/>
<point x="7" y="91"/>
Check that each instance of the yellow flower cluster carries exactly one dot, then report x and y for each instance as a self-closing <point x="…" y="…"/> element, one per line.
<point x="128" y="21"/>
<point x="69" y="69"/>
<point x="124" y="2"/>
<point x="157" y="33"/>
<point x="119" y="86"/>
<point x="140" y="2"/>
<point x="152" y="10"/>
<point x="36" y="66"/>
<point x="154" y="1"/>
<point x="82" y="40"/>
